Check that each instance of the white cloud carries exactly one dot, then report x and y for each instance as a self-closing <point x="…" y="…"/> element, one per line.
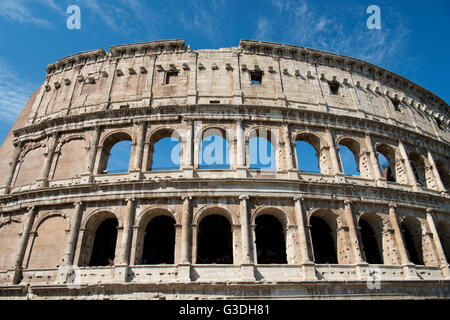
<point x="263" y="29"/>
<point x="14" y="93"/>
<point x="17" y="11"/>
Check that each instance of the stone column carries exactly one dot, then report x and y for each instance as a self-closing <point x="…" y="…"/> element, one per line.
<point x="237" y="87"/>
<point x="142" y="126"/>
<point x="91" y="165"/>
<point x="124" y="258"/>
<point x="354" y="239"/>
<point x="194" y="228"/>
<point x="241" y="168"/>
<point x="186" y="230"/>
<point x="437" y="243"/>
<point x="398" y="235"/>
<point x="411" y="177"/>
<point x="188" y="161"/>
<point x="374" y="162"/>
<point x="437" y="177"/>
<point x="74" y="230"/>
<point x="301" y="217"/>
<point x="333" y="155"/>
<point x="246" y="243"/>
<point x="192" y="89"/>
<point x="12" y="167"/>
<point x="290" y="164"/>
<point x="43" y="181"/>
<point x="28" y="222"/>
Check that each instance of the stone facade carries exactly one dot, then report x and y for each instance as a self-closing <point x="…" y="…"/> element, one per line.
<point x="55" y="193"/>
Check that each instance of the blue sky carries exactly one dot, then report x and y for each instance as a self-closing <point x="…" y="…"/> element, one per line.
<point x="413" y="40"/>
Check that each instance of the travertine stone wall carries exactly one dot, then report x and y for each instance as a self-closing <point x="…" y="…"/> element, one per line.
<point x="54" y="191"/>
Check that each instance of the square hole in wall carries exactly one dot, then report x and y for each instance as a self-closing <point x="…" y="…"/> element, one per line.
<point x="255" y="77"/>
<point x="171" y="77"/>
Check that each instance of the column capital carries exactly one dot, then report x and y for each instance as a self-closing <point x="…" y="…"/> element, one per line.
<point x="140" y="123"/>
<point x="430" y="210"/>
<point x="31" y="208"/>
<point x="243" y="197"/>
<point x="299" y="198"/>
<point x="239" y="121"/>
<point x="187" y="121"/>
<point x="348" y="202"/>
<point x="392" y="205"/>
<point x="186" y="197"/>
<point x="132" y="199"/>
<point x="78" y="203"/>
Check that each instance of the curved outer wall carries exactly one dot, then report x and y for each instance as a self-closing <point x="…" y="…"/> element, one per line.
<point x="54" y="193"/>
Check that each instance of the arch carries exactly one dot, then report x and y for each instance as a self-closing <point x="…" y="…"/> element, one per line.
<point x="47" y="215"/>
<point x="48" y="246"/>
<point x="215" y="146"/>
<point x="89" y="227"/>
<point x="168" y="135"/>
<point x="270" y="240"/>
<point x="323" y="238"/>
<point x="215" y="240"/>
<point x="305" y="155"/>
<point x="418" y="166"/>
<point x="444" y="173"/>
<point x="151" y="212"/>
<point x="350" y="165"/>
<point x="31" y="163"/>
<point x="284" y="219"/>
<point x="371" y="229"/>
<point x="159" y="241"/>
<point x="443" y="230"/>
<point x="263" y="138"/>
<point x="70" y="157"/>
<point x="107" y="143"/>
<point x="412" y="233"/>
<point x="104" y="244"/>
<point x="219" y="209"/>
<point x="387" y="170"/>
<point x="9" y="241"/>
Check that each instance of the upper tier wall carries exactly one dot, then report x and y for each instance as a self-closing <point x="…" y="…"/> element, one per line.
<point x="139" y="75"/>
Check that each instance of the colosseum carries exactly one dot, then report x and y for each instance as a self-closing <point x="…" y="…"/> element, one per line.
<point x="72" y="229"/>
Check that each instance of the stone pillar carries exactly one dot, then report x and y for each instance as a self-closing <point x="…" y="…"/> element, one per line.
<point x="281" y="96"/>
<point x="411" y="177"/>
<point x="437" y="177"/>
<point x="246" y="243"/>
<point x="354" y="239"/>
<point x="192" y="94"/>
<point x="241" y="165"/>
<point x="43" y="181"/>
<point x="290" y="164"/>
<point x="237" y="87"/>
<point x="12" y="167"/>
<point x="188" y="150"/>
<point x="437" y="243"/>
<point x="91" y="165"/>
<point x="142" y="126"/>
<point x="300" y="216"/>
<point x="333" y="155"/>
<point x="194" y="228"/>
<point x="28" y="222"/>
<point x="74" y="230"/>
<point x="186" y="230"/>
<point x="187" y="251"/>
<point x="374" y="163"/>
<point x="126" y="236"/>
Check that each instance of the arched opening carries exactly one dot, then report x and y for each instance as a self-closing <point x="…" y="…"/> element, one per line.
<point x="370" y="243"/>
<point x="116" y="152"/>
<point x="386" y="162"/>
<point x="443" y="230"/>
<point x="444" y="173"/>
<point x="308" y="151"/>
<point x="159" y="241"/>
<point x="215" y="240"/>
<point x="323" y="241"/>
<point x="349" y="161"/>
<point x="165" y="151"/>
<point x="412" y="233"/>
<point x="104" y="248"/>
<point x="418" y="168"/>
<point x="214" y="152"/>
<point x="261" y="152"/>
<point x="270" y="240"/>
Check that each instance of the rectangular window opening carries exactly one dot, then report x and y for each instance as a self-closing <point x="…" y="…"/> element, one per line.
<point x="171" y="77"/>
<point x="255" y="77"/>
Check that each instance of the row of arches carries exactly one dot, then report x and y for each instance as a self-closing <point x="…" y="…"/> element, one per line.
<point x="165" y="148"/>
<point x="215" y="240"/>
